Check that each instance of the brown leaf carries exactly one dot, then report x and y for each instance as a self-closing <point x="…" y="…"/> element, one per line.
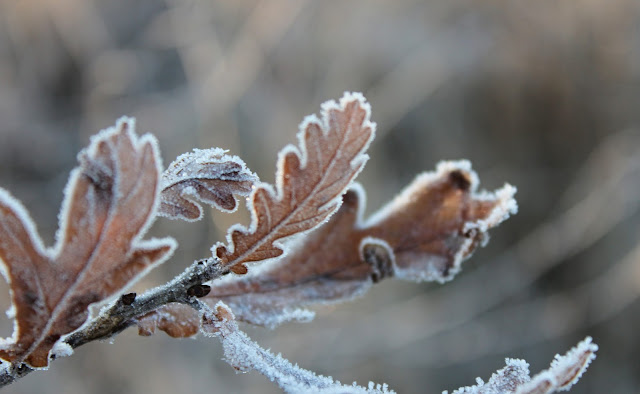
<point x="110" y="201"/>
<point x="423" y="235"/>
<point x="177" y="320"/>
<point x="205" y="174"/>
<point x="309" y="182"/>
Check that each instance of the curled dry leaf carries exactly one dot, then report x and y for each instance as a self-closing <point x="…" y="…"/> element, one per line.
<point x="423" y="235"/>
<point x="110" y="201"/>
<point x="208" y="175"/>
<point x="514" y="378"/>
<point x="309" y="182"/>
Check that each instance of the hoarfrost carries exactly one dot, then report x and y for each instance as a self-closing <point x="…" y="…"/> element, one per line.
<point x="424" y="235"/>
<point x="514" y="378"/>
<point x="565" y="370"/>
<point x="110" y="201"/>
<point x="506" y="380"/>
<point x="61" y="349"/>
<point x="310" y="181"/>
<point x="245" y="355"/>
<point x="208" y="175"/>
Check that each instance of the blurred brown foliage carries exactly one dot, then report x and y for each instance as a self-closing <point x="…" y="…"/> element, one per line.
<point x="542" y="94"/>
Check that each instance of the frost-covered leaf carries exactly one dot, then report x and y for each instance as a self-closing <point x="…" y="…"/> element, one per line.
<point x="424" y="234"/>
<point x="507" y="380"/>
<point x="564" y="372"/>
<point x="437" y="222"/>
<point x="208" y="175"/>
<point x="177" y="320"/>
<point x="110" y="201"/>
<point x="310" y="181"/>
<point x="514" y="378"/>
<point x="245" y="355"/>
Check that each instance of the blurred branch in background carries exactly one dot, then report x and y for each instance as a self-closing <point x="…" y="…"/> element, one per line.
<point x="534" y="93"/>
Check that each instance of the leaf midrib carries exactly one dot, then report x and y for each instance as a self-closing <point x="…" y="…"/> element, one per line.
<point x="283" y="222"/>
<point x="79" y="278"/>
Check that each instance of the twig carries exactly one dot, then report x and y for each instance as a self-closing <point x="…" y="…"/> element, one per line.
<point x="122" y="314"/>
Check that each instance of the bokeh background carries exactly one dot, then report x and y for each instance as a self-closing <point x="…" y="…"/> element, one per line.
<point x="543" y="94"/>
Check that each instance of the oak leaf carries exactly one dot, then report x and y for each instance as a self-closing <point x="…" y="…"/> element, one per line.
<point x="110" y="201"/>
<point x="422" y="235"/>
<point x="310" y="181"/>
<point x="208" y="175"/>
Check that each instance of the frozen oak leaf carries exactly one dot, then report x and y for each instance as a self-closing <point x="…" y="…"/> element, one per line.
<point x="514" y="378"/>
<point x="422" y="235"/>
<point x="310" y="181"/>
<point x="110" y="201"/>
<point x="208" y="175"/>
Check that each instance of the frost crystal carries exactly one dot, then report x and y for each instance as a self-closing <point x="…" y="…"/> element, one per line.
<point x="514" y="378"/>
<point x="564" y="371"/>
<point x="61" y="349"/>
<point x="245" y="355"/>
<point x="110" y="201"/>
<point x="208" y="175"/>
<point x="506" y="380"/>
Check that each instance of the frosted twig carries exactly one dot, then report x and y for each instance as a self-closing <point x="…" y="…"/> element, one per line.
<point x="245" y="355"/>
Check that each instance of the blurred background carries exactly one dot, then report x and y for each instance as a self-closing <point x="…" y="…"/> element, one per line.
<point x="542" y="94"/>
